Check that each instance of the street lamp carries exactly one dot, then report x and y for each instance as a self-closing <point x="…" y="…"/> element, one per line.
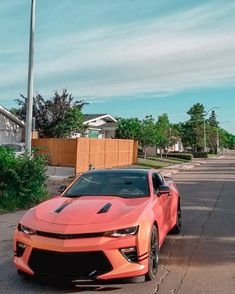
<point x="217" y="135"/>
<point x="29" y="110"/>
<point x="204" y="126"/>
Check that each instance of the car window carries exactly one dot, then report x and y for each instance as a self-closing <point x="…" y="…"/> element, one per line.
<point x="128" y="185"/>
<point x="157" y="182"/>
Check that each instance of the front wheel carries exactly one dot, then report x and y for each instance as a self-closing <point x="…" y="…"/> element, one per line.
<point x="153" y="255"/>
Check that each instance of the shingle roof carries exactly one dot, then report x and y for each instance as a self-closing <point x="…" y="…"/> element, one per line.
<point x="106" y="116"/>
<point x="110" y="125"/>
<point x="92" y="116"/>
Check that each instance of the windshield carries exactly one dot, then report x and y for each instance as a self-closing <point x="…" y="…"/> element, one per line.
<point x="128" y="185"/>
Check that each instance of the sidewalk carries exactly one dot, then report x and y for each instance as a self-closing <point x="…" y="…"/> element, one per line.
<point x="176" y="168"/>
<point x="58" y="173"/>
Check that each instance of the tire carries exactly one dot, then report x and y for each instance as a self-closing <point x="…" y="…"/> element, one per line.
<point x="23" y="274"/>
<point x="177" y="228"/>
<point x="153" y="255"/>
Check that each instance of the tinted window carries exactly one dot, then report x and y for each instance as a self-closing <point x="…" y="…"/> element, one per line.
<point x="129" y="185"/>
<point x="157" y="182"/>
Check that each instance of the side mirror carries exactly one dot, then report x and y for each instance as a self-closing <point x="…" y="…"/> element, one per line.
<point x="163" y="190"/>
<point x="61" y="188"/>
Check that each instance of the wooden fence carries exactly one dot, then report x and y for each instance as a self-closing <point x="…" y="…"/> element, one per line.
<point x="81" y="152"/>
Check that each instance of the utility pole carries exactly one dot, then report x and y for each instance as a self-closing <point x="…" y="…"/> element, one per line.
<point x="29" y="110"/>
<point x="204" y="132"/>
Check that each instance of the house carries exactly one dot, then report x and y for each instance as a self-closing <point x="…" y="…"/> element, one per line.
<point x="177" y="147"/>
<point x="100" y="125"/>
<point x="11" y="128"/>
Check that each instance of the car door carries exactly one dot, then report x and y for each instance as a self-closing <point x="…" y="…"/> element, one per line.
<point x="161" y="207"/>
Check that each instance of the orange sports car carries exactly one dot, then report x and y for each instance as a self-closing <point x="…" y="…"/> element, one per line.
<point x="107" y="224"/>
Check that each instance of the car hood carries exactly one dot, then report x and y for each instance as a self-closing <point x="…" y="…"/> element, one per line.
<point x="87" y="209"/>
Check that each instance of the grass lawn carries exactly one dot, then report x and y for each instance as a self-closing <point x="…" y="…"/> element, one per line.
<point x="157" y="162"/>
<point x="152" y="163"/>
<point x="171" y="160"/>
<point x="213" y="155"/>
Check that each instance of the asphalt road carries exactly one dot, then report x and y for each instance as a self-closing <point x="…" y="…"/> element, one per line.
<point x="200" y="260"/>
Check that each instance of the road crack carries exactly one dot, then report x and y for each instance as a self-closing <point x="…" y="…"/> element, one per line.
<point x="166" y="270"/>
<point x="157" y="289"/>
<point x="189" y="264"/>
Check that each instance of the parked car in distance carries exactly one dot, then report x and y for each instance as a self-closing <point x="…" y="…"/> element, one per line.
<point x="18" y="148"/>
<point x="107" y="224"/>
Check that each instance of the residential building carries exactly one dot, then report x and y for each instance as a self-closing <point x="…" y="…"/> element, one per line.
<point x="100" y="125"/>
<point x="11" y="128"/>
<point x="177" y="147"/>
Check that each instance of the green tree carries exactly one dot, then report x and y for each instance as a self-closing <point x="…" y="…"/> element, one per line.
<point x="226" y="139"/>
<point x="59" y="116"/>
<point x="213" y="119"/>
<point x="128" y="128"/>
<point x="193" y="131"/>
<point x="148" y="133"/>
<point x="211" y="134"/>
<point x="163" y="136"/>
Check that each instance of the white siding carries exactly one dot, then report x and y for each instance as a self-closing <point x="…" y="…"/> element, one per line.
<point x="109" y="134"/>
<point x="10" y="132"/>
<point x="96" y="122"/>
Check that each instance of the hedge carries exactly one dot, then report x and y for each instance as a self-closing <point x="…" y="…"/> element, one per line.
<point x="200" y="155"/>
<point x="22" y="180"/>
<point x="186" y="156"/>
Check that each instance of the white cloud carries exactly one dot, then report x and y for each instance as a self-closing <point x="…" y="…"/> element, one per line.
<point x="184" y="50"/>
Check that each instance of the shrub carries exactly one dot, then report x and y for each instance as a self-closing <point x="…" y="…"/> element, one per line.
<point x="186" y="156"/>
<point x="22" y="180"/>
<point x="200" y="155"/>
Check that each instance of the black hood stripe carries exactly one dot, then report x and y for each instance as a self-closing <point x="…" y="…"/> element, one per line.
<point x="61" y="207"/>
<point x="105" y="208"/>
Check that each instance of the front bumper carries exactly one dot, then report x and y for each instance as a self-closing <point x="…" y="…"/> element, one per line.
<point x="89" y="258"/>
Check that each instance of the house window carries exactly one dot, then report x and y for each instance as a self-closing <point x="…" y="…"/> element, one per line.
<point x="93" y="134"/>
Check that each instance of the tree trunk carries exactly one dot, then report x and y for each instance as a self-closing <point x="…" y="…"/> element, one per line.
<point x="145" y="153"/>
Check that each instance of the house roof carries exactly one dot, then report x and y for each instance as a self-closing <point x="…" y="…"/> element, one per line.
<point x="110" y="125"/>
<point x="11" y="116"/>
<point x="91" y="117"/>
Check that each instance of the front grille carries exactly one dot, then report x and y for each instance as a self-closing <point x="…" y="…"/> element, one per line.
<point x="69" y="264"/>
<point x="69" y="236"/>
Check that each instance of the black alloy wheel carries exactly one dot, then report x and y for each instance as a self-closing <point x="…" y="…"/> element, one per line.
<point x="153" y="255"/>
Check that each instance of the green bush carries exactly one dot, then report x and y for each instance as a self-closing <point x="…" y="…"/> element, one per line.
<point x="200" y="155"/>
<point x="22" y="180"/>
<point x="186" y="156"/>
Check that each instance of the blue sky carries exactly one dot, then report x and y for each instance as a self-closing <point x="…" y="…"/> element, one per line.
<point x="127" y="58"/>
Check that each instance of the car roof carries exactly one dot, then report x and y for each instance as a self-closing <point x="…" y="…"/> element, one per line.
<point x="120" y="171"/>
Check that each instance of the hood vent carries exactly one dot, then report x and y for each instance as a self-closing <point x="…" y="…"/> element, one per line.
<point x="105" y="208"/>
<point x="61" y="207"/>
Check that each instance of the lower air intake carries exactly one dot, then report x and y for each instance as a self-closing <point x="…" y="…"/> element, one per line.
<point x="69" y="264"/>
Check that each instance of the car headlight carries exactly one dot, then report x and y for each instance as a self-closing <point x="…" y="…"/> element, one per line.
<point x="123" y="232"/>
<point x="26" y="230"/>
